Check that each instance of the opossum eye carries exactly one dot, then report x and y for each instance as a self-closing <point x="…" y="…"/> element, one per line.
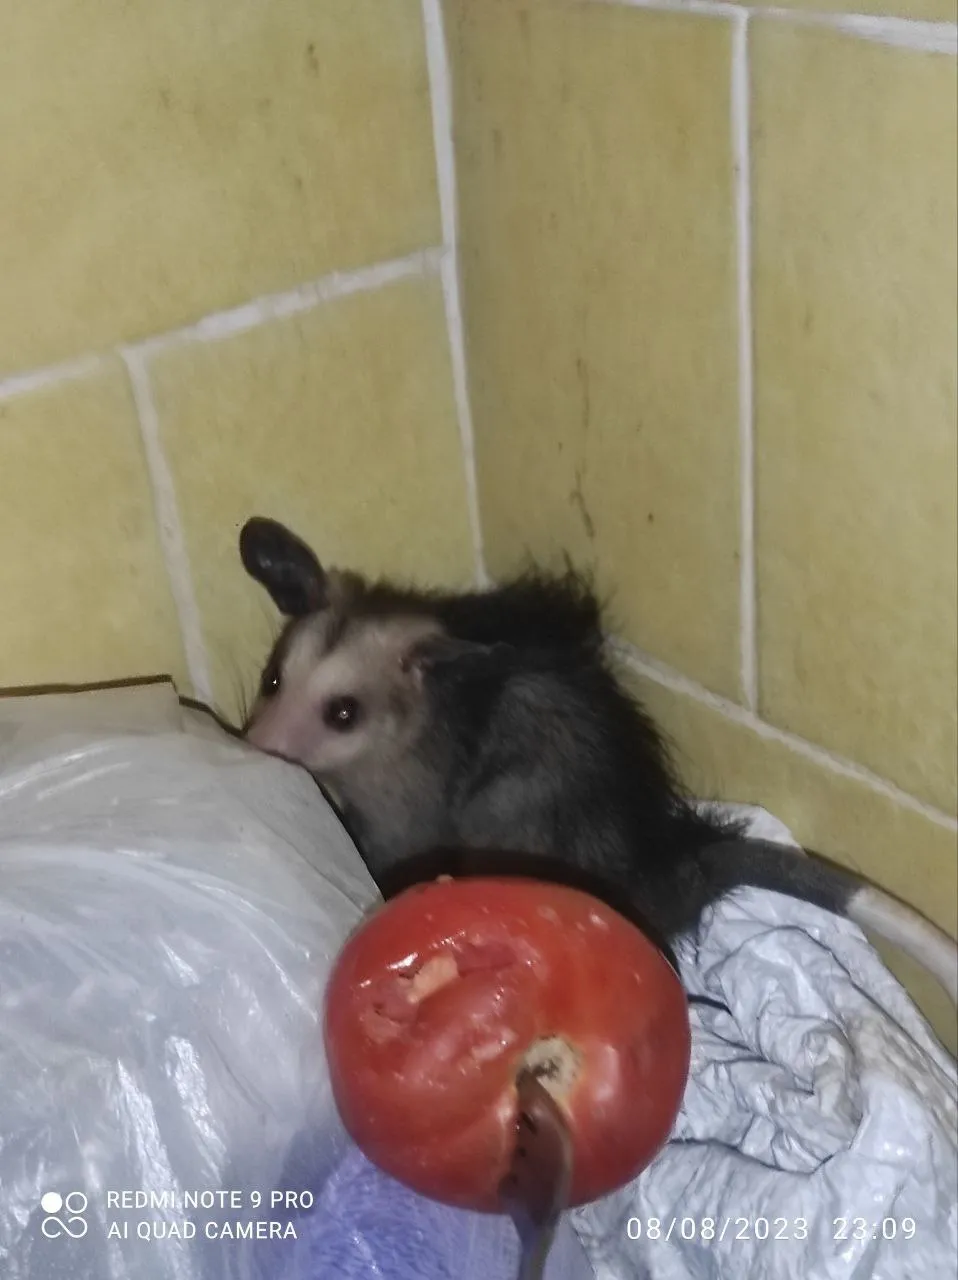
<point x="341" y="713"/>
<point x="270" y="682"/>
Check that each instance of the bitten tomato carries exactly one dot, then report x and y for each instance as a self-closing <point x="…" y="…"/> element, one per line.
<point x="450" y="989"/>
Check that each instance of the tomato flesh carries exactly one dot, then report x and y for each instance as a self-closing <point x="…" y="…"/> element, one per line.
<point x="440" y="999"/>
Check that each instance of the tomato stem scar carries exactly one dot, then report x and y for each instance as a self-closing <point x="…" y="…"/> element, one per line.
<point x="554" y="1063"/>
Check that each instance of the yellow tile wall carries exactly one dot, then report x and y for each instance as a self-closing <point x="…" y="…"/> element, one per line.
<point x="161" y="161"/>
<point x="598" y="265"/>
<point x="638" y="369"/>
<point x="265" y="174"/>
<point x="86" y="597"/>
<point x="344" y="424"/>
<point x="166" y="163"/>
<point x="856" y="328"/>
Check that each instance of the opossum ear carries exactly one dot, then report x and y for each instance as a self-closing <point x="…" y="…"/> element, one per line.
<point x="448" y="653"/>
<point x="284" y="565"/>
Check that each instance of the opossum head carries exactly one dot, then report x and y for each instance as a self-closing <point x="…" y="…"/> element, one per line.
<point x="348" y="689"/>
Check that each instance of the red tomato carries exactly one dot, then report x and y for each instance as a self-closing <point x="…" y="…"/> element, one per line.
<point x="439" y="1000"/>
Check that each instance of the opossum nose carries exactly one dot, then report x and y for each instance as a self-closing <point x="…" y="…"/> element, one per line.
<point x="270" y="733"/>
<point x="258" y="736"/>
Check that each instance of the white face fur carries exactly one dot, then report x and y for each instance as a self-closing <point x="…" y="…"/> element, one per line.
<point x="333" y="707"/>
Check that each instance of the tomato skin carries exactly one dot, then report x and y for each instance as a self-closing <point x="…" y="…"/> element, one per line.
<point x="426" y="1088"/>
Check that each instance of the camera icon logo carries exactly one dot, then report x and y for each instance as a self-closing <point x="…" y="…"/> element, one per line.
<point x="64" y="1215"/>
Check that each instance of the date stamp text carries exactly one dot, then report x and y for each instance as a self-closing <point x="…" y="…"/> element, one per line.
<point x="706" y="1229"/>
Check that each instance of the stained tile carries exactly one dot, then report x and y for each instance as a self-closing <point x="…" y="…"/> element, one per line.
<point x="598" y="259"/>
<point x="856" y="406"/>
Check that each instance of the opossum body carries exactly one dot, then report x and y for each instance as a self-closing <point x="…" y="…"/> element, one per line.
<point x="491" y="720"/>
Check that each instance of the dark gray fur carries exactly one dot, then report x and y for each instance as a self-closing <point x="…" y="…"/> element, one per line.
<point x="531" y="755"/>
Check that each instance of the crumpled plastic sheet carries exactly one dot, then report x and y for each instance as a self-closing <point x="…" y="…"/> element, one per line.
<point x="819" y="1131"/>
<point x="170" y="904"/>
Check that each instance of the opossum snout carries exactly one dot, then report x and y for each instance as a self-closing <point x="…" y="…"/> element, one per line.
<point x="279" y="732"/>
<point x="259" y="735"/>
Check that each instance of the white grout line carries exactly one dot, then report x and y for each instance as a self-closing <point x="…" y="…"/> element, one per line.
<point x="171" y="530"/>
<point x="741" y="159"/>
<point x="223" y="324"/>
<point x="903" y="33"/>
<point x="900" y="33"/>
<point x="671" y="679"/>
<point x="21" y="384"/>
<point x="440" y="92"/>
<point x="277" y="306"/>
<point x="702" y="8"/>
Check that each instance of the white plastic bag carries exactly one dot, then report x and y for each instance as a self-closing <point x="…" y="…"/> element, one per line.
<point x="170" y="904"/>
<point x="818" y="1131"/>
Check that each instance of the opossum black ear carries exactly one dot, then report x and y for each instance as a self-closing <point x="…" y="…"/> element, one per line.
<point x="284" y="565"/>
<point x="448" y="653"/>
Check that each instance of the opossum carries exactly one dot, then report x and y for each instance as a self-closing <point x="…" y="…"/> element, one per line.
<point x="492" y="720"/>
